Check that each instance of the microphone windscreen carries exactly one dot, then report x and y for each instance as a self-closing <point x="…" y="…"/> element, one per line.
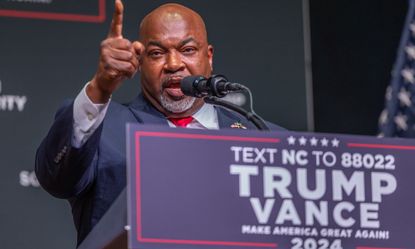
<point x="188" y="85"/>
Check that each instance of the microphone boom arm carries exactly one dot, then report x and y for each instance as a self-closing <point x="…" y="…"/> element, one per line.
<point x="254" y="118"/>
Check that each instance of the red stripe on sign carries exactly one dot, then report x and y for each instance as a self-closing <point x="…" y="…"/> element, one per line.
<point x="208" y="137"/>
<point x="207" y="242"/>
<point x="138" y="182"/>
<point x="381" y="146"/>
<point x="59" y="16"/>
<point x="363" y="247"/>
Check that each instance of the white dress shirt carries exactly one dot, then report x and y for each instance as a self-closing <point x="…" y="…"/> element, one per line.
<point x="88" y="116"/>
<point x="205" y="118"/>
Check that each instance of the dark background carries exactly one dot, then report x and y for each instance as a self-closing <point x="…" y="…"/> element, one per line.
<point x="258" y="43"/>
<point x="354" y="44"/>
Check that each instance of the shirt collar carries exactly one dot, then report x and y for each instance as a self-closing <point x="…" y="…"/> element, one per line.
<point x="207" y="117"/>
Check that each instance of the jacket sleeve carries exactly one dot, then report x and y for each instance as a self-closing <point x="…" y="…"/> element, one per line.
<point x="63" y="170"/>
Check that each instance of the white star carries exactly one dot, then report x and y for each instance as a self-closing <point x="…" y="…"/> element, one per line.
<point x="335" y="142"/>
<point x="408" y="75"/>
<point x="313" y="141"/>
<point x="324" y="142"/>
<point x="383" y="118"/>
<point x="410" y="51"/>
<point x="302" y="140"/>
<point x="400" y="121"/>
<point x="404" y="97"/>
<point x="291" y="140"/>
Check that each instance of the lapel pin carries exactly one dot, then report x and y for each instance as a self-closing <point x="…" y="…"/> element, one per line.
<point x="238" y="125"/>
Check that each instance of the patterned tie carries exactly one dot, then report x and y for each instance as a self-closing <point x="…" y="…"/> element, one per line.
<point x="181" y="122"/>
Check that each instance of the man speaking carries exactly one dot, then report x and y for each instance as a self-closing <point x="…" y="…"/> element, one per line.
<point x="82" y="158"/>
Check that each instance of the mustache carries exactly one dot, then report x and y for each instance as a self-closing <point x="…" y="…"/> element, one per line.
<point x="171" y="79"/>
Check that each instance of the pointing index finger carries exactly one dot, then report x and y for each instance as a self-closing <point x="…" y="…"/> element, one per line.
<point x="117" y="18"/>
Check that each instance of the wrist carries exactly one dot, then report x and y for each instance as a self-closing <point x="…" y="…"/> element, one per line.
<point x="96" y="94"/>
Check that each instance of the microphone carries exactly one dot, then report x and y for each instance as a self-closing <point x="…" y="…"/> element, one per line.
<point x="217" y="85"/>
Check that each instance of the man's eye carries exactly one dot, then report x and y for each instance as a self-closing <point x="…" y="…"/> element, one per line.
<point x="189" y="50"/>
<point x="155" y="54"/>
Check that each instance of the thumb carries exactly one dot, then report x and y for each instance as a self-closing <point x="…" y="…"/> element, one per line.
<point x="138" y="48"/>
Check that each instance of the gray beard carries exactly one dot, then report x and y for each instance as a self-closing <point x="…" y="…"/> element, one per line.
<point x="176" y="106"/>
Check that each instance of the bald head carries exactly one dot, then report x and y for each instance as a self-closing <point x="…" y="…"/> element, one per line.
<point x="172" y="15"/>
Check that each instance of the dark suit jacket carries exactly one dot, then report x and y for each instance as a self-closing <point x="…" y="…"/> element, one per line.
<point x="91" y="177"/>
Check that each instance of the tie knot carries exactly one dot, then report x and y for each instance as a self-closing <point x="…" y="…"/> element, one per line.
<point x="181" y="122"/>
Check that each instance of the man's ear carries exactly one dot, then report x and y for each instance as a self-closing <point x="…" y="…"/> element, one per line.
<point x="210" y="56"/>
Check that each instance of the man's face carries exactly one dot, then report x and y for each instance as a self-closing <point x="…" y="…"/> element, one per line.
<point x="175" y="47"/>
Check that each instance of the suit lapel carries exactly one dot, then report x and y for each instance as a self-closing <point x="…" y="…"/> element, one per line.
<point x="229" y="120"/>
<point x="145" y="113"/>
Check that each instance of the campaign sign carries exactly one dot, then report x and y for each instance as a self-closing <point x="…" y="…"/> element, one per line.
<point x="64" y="10"/>
<point x="249" y="189"/>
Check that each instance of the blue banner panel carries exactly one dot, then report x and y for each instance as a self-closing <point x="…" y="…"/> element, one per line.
<point x="238" y="189"/>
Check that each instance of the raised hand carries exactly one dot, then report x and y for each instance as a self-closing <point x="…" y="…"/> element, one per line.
<point x="119" y="60"/>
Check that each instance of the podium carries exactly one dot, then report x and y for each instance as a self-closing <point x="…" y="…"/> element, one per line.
<point x="110" y="232"/>
<point x="233" y="189"/>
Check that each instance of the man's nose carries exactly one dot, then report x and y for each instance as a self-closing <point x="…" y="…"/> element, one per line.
<point x="174" y="62"/>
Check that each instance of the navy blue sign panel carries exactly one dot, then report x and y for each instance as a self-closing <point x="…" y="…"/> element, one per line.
<point x="248" y="189"/>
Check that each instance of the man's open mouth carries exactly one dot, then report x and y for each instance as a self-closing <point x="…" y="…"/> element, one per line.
<point x="172" y="87"/>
